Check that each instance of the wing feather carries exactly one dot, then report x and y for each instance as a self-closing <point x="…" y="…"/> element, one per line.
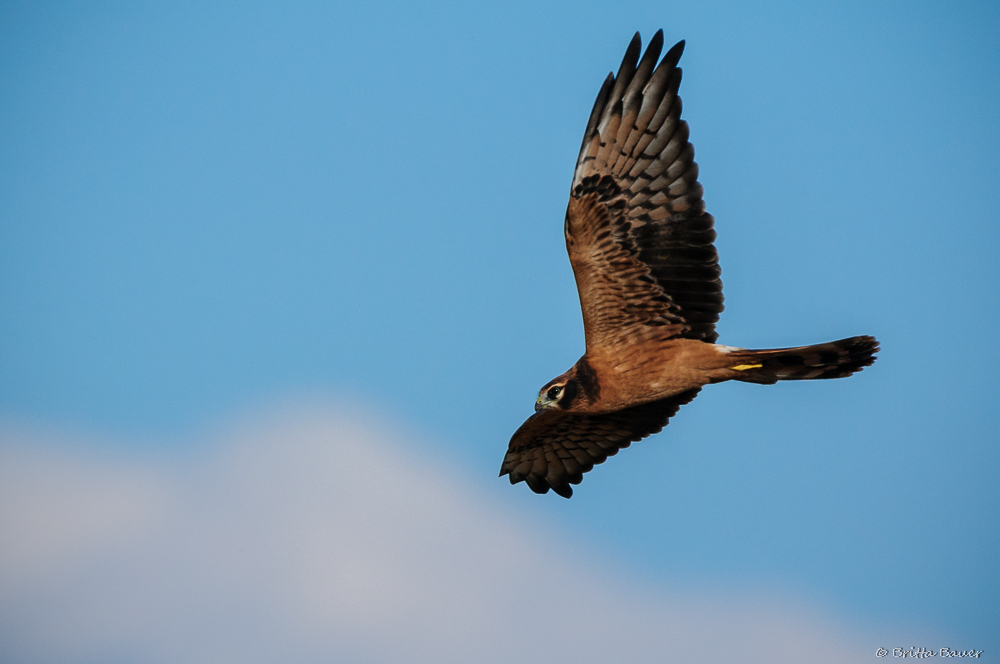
<point x="636" y="183"/>
<point x="554" y="448"/>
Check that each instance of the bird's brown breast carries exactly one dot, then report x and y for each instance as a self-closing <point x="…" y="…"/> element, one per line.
<point x="639" y="373"/>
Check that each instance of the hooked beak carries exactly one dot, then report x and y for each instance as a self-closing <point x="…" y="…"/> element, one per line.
<point x="539" y="404"/>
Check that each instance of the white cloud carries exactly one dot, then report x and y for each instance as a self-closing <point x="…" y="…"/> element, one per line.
<point x="310" y="537"/>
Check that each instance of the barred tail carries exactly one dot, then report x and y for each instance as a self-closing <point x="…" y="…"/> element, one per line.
<point x="835" y="359"/>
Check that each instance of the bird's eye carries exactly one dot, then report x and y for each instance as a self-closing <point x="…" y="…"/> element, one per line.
<point x="554" y="392"/>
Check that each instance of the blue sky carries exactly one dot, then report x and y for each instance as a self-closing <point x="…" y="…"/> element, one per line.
<point x="207" y="211"/>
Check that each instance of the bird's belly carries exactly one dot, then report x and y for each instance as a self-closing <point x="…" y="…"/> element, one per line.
<point x="647" y="373"/>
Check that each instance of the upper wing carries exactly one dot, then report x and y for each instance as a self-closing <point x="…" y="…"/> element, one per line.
<point x="638" y="236"/>
<point x="554" y="448"/>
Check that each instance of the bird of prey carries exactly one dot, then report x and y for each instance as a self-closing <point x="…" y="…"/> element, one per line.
<point x="640" y="243"/>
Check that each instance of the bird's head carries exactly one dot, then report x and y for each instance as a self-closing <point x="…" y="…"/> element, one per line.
<point x="557" y="393"/>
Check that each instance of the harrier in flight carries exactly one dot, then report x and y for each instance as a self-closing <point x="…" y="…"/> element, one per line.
<point x="640" y="243"/>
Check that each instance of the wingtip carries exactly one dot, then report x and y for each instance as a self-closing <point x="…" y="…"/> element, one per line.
<point x="566" y="491"/>
<point x="504" y="467"/>
<point x="634" y="48"/>
<point x="656" y="43"/>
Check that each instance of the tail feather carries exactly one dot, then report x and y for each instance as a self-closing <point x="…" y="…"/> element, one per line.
<point x="835" y="359"/>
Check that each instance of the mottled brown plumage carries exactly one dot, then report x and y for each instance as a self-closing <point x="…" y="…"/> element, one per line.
<point x="641" y="247"/>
